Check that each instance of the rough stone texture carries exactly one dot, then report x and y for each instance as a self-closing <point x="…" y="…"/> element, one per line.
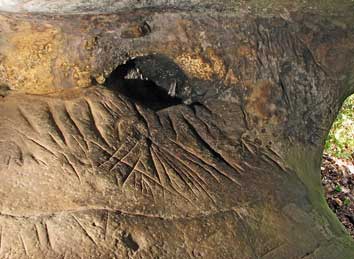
<point x="94" y="165"/>
<point x="96" y="6"/>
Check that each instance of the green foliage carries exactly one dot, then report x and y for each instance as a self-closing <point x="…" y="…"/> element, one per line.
<point x="340" y="141"/>
<point x="338" y="188"/>
<point x="346" y="201"/>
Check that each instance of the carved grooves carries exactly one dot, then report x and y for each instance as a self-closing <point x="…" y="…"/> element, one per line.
<point x="154" y="163"/>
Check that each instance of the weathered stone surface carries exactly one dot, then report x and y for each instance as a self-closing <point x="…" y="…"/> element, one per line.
<point x="93" y="6"/>
<point x="170" y="132"/>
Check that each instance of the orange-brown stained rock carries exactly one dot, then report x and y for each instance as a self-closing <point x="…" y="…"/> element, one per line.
<point x="35" y="58"/>
<point x="247" y="52"/>
<point x="136" y="30"/>
<point x="260" y="103"/>
<point x="195" y="66"/>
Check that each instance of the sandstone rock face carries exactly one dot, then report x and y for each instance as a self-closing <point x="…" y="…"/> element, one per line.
<point x="95" y="6"/>
<point x="157" y="129"/>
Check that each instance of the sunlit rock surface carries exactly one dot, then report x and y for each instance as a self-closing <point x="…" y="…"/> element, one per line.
<point x="93" y="6"/>
<point x="170" y="129"/>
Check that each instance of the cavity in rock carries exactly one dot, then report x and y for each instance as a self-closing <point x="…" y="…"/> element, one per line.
<point x="130" y="243"/>
<point x="152" y="81"/>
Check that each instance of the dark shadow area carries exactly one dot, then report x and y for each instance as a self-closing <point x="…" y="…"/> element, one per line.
<point x="131" y="81"/>
<point x="130" y="243"/>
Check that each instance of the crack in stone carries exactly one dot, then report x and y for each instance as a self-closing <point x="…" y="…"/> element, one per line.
<point x="120" y="212"/>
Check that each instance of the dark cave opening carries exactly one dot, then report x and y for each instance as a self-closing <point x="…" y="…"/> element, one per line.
<point x="127" y="79"/>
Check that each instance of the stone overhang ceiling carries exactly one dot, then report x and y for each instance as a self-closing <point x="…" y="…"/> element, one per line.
<point x="93" y="6"/>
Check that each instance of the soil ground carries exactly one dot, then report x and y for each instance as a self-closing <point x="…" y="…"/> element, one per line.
<point x="338" y="184"/>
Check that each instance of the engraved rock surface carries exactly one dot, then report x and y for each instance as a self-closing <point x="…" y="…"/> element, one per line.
<point x="165" y="132"/>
